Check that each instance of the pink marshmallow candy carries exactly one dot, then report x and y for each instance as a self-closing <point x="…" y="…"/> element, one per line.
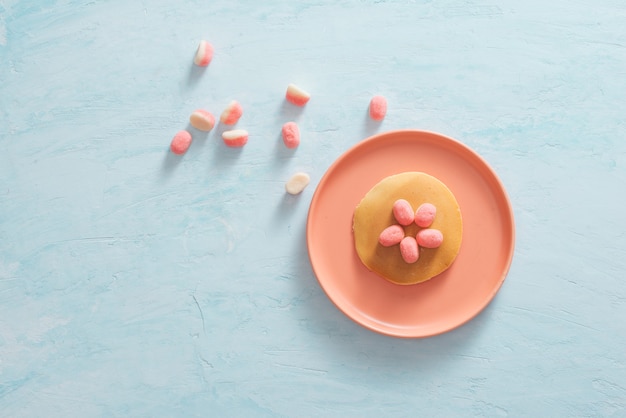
<point x="181" y="142"/>
<point x="378" y="108"/>
<point x="409" y="250"/>
<point x="403" y="212"/>
<point x="204" y="54"/>
<point x="391" y="235"/>
<point x="235" y="138"/>
<point x="202" y="120"/>
<point x="429" y="238"/>
<point x="296" y="95"/>
<point x="291" y="134"/>
<point x="425" y="215"/>
<point x="232" y="113"/>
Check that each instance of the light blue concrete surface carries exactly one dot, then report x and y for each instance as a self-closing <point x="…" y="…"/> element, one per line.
<point x="134" y="283"/>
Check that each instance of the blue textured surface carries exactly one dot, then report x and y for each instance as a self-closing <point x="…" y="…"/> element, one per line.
<point x="136" y="283"/>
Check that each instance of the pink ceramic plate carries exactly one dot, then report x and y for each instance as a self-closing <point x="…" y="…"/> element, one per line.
<point x="444" y="302"/>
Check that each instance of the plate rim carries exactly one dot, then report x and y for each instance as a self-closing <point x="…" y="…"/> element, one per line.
<point x="455" y="143"/>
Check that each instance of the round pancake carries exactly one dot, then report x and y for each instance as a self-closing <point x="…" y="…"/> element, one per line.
<point x="374" y="214"/>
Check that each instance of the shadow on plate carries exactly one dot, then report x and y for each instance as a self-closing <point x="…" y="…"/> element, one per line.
<point x="348" y="342"/>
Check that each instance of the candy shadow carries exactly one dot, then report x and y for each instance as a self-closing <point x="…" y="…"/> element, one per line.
<point x="282" y="154"/>
<point x="290" y="112"/>
<point x="224" y="155"/>
<point x="198" y="137"/>
<point x="370" y="126"/>
<point x="194" y="74"/>
<point x="286" y="208"/>
<point x="170" y="162"/>
<point x="220" y="128"/>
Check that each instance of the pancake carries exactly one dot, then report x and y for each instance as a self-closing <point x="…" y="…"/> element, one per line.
<point x="374" y="214"/>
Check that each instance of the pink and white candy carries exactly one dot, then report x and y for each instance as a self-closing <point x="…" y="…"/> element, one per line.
<point x="232" y="113"/>
<point x="235" y="138"/>
<point x="296" y="95"/>
<point x="204" y="54"/>
<point x="202" y="120"/>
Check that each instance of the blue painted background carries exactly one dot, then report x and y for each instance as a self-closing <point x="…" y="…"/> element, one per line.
<point x="136" y="283"/>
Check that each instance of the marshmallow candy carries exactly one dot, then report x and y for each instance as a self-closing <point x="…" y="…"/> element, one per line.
<point x="291" y="135"/>
<point x="232" y="113"/>
<point x="378" y="108"/>
<point x="391" y="235"/>
<point x="409" y="250"/>
<point x="429" y="238"/>
<point x="296" y="95"/>
<point x="425" y="215"/>
<point x="180" y="143"/>
<point x="403" y="212"/>
<point x="297" y="183"/>
<point x="235" y="138"/>
<point x="202" y="120"/>
<point x="204" y="54"/>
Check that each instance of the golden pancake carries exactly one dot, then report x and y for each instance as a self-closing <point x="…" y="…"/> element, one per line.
<point x="374" y="214"/>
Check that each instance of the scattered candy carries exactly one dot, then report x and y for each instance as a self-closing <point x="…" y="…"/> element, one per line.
<point x="297" y="183"/>
<point x="391" y="235"/>
<point x="425" y="215"/>
<point x="232" y="113"/>
<point x="409" y="250"/>
<point x="296" y="95"/>
<point x="204" y="54"/>
<point x="180" y="143"/>
<point x="403" y="212"/>
<point x="429" y="238"/>
<point x="235" y="138"/>
<point x="378" y="108"/>
<point x="291" y="135"/>
<point x="202" y="120"/>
